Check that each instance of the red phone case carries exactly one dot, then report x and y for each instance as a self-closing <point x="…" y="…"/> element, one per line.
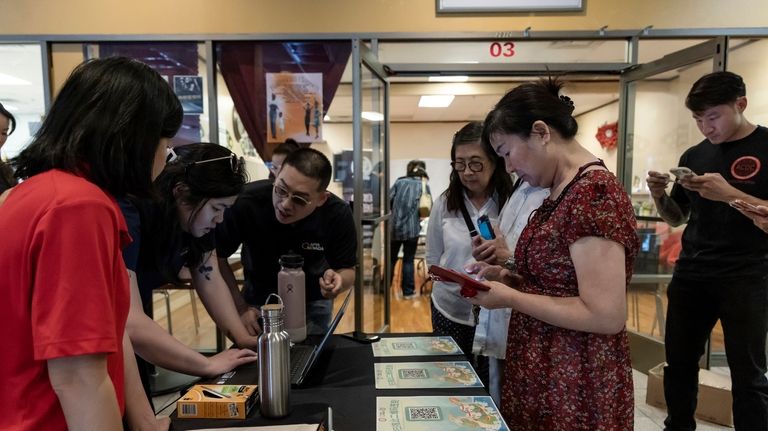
<point x="469" y="286"/>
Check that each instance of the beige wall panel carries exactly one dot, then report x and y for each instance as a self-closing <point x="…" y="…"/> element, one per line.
<point x="334" y="16"/>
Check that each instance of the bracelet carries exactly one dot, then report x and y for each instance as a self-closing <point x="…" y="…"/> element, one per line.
<point x="509" y="264"/>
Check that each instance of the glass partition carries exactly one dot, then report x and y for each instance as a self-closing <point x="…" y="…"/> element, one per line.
<point x="21" y="93"/>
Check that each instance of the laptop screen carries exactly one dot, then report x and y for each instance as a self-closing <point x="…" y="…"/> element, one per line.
<point x="328" y="333"/>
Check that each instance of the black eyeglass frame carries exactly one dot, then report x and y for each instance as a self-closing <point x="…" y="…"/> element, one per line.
<point x="468" y="165"/>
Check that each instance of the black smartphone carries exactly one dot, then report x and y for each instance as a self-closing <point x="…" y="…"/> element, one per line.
<point x="485" y="228"/>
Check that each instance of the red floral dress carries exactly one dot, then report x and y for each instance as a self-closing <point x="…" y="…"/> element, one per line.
<point x="556" y="378"/>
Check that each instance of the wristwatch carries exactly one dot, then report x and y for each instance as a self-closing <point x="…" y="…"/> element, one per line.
<point x="509" y="264"/>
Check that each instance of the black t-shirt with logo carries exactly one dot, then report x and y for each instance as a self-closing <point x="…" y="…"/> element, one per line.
<point x="719" y="242"/>
<point x="326" y="239"/>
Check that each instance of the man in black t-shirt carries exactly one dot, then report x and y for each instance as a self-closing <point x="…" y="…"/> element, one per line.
<point x="722" y="271"/>
<point x="295" y="215"/>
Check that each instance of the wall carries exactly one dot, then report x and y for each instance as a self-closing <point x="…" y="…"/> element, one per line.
<point x="335" y="16"/>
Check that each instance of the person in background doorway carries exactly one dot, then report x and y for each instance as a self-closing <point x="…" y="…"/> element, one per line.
<point x="69" y="362"/>
<point x="278" y="156"/>
<point x="296" y="214"/>
<point x="722" y="271"/>
<point x="404" y="197"/>
<point x="175" y="231"/>
<point x="567" y="361"/>
<point x="478" y="185"/>
<point x="7" y="126"/>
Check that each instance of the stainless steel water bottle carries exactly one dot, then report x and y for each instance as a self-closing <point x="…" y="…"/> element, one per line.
<point x="274" y="362"/>
<point x="290" y="287"/>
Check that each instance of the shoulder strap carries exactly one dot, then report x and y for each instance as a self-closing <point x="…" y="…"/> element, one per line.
<point x="468" y="220"/>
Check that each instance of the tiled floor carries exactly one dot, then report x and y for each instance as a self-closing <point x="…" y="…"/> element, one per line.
<point x="647" y="418"/>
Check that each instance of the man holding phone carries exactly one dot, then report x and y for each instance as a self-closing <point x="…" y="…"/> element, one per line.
<point x="296" y="214"/>
<point x="722" y="271"/>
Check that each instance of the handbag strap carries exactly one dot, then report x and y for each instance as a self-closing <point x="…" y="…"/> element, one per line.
<point x="468" y="220"/>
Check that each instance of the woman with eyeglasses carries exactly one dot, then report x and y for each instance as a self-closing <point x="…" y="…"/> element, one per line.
<point x="479" y="185"/>
<point x="175" y="230"/>
<point x="68" y="363"/>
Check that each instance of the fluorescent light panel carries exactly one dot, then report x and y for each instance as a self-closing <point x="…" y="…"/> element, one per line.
<point x="436" y="101"/>
<point x="448" y="78"/>
<point x="12" y="80"/>
<point x="372" y="116"/>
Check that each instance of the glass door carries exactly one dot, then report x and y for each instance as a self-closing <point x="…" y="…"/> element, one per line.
<point x="655" y="128"/>
<point x="370" y="203"/>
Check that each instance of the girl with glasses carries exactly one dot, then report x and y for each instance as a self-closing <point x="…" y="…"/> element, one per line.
<point x="175" y="230"/>
<point x="479" y="185"/>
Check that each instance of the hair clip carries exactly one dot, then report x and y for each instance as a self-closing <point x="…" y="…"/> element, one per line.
<point x="567" y="100"/>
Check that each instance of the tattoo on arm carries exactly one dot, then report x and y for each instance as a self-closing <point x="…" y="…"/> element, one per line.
<point x="205" y="269"/>
<point x="670" y="211"/>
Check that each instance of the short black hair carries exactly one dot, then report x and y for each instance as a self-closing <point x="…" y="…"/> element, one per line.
<point x="106" y="125"/>
<point x="713" y="89"/>
<point x="311" y="163"/>
<point x="416" y="168"/>
<point x="11" y="120"/>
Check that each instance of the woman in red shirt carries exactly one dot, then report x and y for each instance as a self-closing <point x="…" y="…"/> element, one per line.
<point x="567" y="362"/>
<point x="62" y="278"/>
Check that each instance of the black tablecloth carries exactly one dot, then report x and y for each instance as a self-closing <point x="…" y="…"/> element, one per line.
<point x="343" y="379"/>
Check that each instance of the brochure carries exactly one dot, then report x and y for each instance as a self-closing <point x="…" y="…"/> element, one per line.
<point x="438" y="413"/>
<point x="415" y="346"/>
<point x="403" y="375"/>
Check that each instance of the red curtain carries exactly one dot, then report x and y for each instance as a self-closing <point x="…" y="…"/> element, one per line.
<point x="244" y="66"/>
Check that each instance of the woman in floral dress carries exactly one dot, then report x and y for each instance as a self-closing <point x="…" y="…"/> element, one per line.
<point x="568" y="364"/>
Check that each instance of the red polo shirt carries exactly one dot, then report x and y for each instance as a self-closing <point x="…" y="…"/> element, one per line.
<point x="64" y="291"/>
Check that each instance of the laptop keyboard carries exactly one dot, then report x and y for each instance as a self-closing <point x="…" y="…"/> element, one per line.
<point x="300" y="354"/>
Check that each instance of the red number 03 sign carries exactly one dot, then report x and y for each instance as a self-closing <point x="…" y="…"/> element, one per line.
<point x="502" y="49"/>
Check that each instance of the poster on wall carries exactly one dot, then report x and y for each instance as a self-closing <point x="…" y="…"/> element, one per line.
<point x="294" y="107"/>
<point x="189" y="90"/>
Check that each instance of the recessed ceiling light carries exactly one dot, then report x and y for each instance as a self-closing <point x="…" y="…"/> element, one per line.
<point x="12" y="80"/>
<point x="372" y="116"/>
<point x="448" y="78"/>
<point x="436" y="101"/>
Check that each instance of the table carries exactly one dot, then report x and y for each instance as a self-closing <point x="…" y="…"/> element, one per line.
<point x="344" y="379"/>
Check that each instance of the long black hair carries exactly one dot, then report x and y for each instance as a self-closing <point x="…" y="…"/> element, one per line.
<point x="191" y="179"/>
<point x="500" y="181"/>
<point x="105" y="124"/>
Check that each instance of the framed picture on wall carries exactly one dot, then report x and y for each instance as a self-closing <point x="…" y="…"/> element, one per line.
<point x="507" y="6"/>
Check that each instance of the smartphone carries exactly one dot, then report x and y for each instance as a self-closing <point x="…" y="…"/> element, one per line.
<point x="485" y="228"/>
<point x="682" y="172"/>
<point x="469" y="286"/>
<point x="743" y="205"/>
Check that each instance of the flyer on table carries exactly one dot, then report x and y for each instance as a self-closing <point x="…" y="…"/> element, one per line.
<point x="415" y="346"/>
<point x="401" y="375"/>
<point x="438" y="413"/>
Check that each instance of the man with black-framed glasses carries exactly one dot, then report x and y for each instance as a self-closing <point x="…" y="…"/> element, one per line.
<point x="296" y="214"/>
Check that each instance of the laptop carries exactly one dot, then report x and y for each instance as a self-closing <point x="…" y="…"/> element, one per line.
<point x="304" y="356"/>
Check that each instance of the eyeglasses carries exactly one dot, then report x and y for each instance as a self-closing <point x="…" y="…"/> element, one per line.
<point x="283" y="193"/>
<point x="473" y="166"/>
<point x="236" y="163"/>
<point x="170" y="156"/>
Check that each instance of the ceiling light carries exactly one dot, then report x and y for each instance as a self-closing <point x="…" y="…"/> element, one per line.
<point x="372" y="116"/>
<point x="448" y="78"/>
<point x="327" y="118"/>
<point x="12" y="80"/>
<point x="436" y="101"/>
<point x="10" y="107"/>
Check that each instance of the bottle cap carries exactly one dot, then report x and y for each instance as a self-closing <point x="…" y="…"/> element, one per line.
<point x="272" y="310"/>
<point x="291" y="260"/>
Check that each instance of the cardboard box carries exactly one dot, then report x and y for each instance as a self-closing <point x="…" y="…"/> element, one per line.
<point x="217" y="402"/>
<point x="715" y="401"/>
